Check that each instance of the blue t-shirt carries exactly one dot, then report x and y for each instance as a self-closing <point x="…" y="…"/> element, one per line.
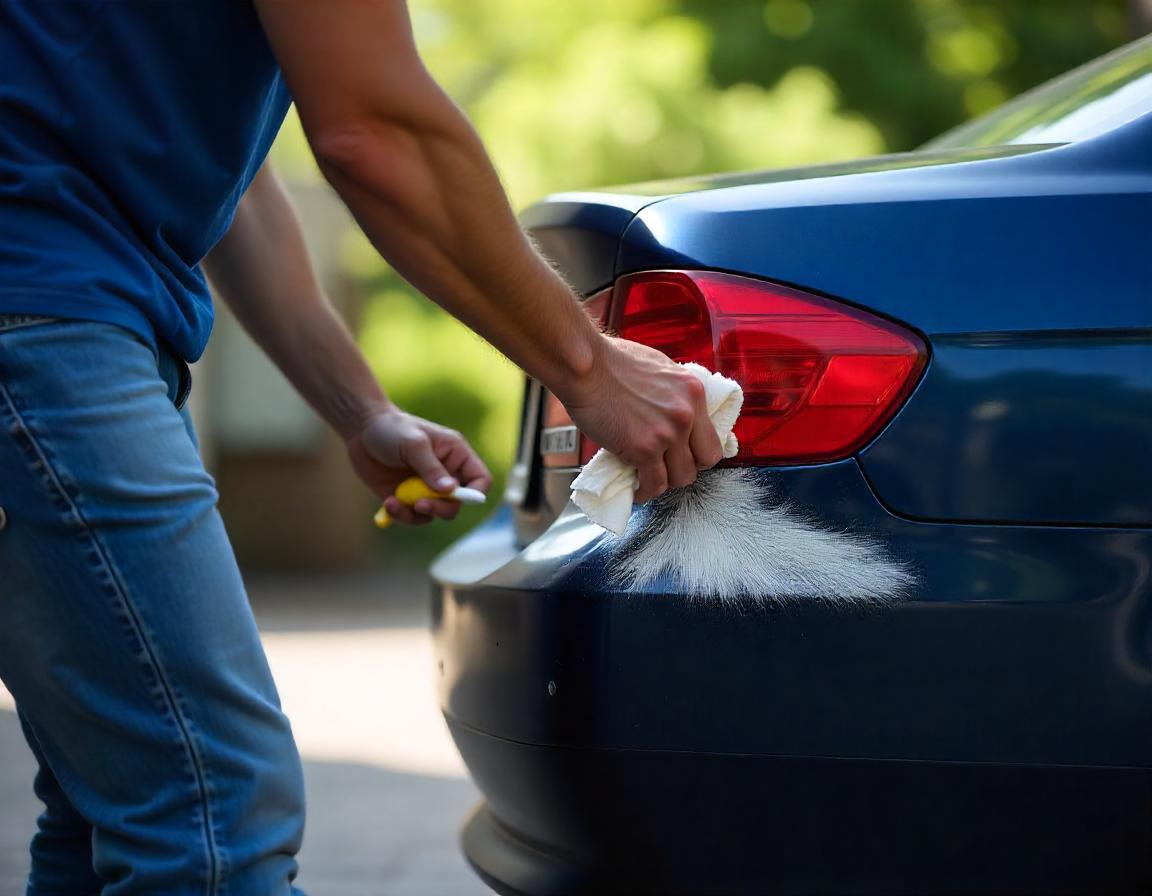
<point x="129" y="130"/>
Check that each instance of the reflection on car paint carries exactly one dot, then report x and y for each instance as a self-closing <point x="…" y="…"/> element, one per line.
<point x="1029" y="427"/>
<point x="565" y="538"/>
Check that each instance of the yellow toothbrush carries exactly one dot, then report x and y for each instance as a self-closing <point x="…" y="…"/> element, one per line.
<point x="414" y="488"/>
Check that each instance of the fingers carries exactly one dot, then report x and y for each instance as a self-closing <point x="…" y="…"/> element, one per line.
<point x="422" y="512"/>
<point x="474" y="474"/>
<point x="690" y="445"/>
<point x="395" y="445"/>
<point x="443" y="459"/>
<point x="705" y="445"/>
<point x="466" y="464"/>
<point x="681" y="466"/>
<point x="481" y="482"/>
<point x="418" y="452"/>
<point x="402" y="513"/>
<point x="441" y="510"/>
<point x="702" y="442"/>
<point x="653" y="480"/>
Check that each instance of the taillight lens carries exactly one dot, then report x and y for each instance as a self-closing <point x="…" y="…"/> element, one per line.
<point x="820" y="378"/>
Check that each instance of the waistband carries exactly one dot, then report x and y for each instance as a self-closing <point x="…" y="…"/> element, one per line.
<point x="172" y="368"/>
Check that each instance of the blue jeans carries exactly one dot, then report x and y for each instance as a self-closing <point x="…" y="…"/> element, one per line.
<point x="126" y="638"/>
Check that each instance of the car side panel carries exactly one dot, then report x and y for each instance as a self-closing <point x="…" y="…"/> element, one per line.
<point x="1044" y="427"/>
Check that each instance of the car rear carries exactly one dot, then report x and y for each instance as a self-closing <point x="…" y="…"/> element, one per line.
<point x="973" y="324"/>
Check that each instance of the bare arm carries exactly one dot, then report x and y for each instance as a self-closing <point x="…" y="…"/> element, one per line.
<point x="261" y="269"/>
<point x="414" y="174"/>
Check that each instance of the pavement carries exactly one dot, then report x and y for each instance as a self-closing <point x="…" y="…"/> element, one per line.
<point x="386" y="790"/>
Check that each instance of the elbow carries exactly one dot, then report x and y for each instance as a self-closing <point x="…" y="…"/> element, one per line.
<point x="387" y="160"/>
<point x="352" y="151"/>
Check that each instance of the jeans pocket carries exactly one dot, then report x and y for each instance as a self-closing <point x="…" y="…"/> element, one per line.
<point x="177" y="377"/>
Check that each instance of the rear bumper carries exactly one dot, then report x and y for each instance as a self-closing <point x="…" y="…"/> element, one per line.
<point x="632" y="743"/>
<point x="575" y="822"/>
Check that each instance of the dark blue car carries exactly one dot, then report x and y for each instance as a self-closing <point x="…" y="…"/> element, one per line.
<point x="902" y="643"/>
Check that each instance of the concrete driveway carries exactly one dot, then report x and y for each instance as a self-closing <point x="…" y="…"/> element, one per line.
<point x="386" y="790"/>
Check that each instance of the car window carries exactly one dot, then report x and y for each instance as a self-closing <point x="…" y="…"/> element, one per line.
<point x="1088" y="101"/>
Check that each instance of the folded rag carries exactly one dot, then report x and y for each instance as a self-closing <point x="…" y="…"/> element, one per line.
<point x="605" y="486"/>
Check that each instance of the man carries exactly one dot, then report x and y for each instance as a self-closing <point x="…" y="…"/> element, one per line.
<point x="129" y="131"/>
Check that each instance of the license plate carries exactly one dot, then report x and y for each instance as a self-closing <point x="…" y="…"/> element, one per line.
<point x="559" y="440"/>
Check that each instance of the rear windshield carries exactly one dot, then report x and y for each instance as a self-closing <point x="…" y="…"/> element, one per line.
<point x="1088" y="101"/>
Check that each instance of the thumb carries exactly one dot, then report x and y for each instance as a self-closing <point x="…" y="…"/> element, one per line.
<point x="421" y="457"/>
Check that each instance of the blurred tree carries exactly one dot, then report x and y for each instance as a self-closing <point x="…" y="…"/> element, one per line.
<point x="911" y="67"/>
<point x="572" y="95"/>
<point x="1140" y="13"/>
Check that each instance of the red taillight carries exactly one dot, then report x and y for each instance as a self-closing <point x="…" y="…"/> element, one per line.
<point x="820" y="378"/>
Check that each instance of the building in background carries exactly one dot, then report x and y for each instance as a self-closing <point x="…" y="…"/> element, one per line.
<point x="287" y="493"/>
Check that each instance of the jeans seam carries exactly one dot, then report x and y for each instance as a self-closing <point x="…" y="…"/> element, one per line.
<point x="23" y="432"/>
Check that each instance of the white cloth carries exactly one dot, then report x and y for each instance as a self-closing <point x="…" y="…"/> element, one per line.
<point x="604" y="488"/>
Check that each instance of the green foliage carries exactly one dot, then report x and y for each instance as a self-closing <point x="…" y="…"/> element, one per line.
<point x="577" y="95"/>
<point x="911" y="67"/>
<point x="581" y="94"/>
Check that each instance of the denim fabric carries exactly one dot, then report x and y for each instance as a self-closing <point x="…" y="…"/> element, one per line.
<point x="166" y="765"/>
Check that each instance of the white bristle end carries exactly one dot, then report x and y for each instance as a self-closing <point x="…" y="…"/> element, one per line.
<point x="726" y="537"/>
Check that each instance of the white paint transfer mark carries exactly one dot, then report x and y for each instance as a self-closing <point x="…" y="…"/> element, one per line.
<point x="728" y="537"/>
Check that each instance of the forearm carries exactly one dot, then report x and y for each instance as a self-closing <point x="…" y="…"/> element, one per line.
<point x="262" y="271"/>
<point x="431" y="203"/>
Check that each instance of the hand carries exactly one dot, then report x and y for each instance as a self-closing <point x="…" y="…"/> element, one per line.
<point x="394" y="445"/>
<point x="649" y="412"/>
